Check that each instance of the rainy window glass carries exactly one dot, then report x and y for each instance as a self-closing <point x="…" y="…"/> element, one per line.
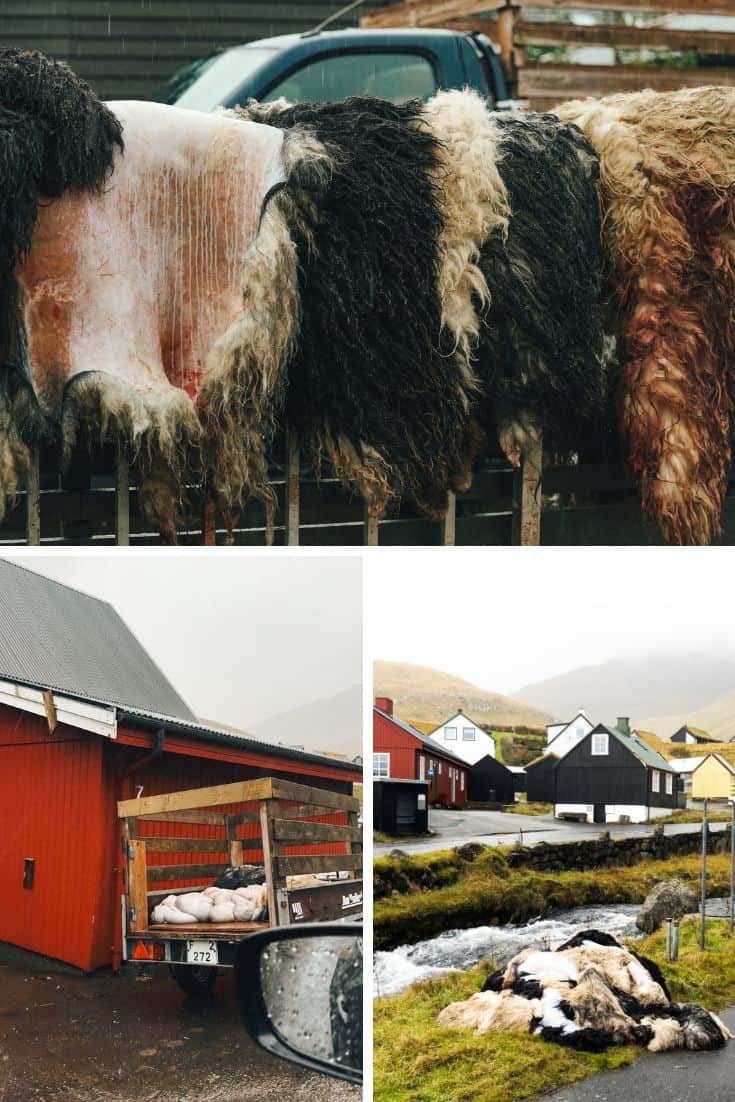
<point x="312" y="989"/>
<point x="392" y="76"/>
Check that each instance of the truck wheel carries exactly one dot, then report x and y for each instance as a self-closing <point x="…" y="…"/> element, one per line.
<point x="197" y="981"/>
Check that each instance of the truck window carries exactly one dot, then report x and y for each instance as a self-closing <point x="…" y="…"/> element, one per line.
<point x="390" y="76"/>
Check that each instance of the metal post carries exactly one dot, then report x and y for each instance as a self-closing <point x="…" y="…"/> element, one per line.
<point x="33" y="501"/>
<point x="292" y="488"/>
<point x="675" y="940"/>
<point x="703" y="901"/>
<point x="669" y="947"/>
<point x="732" y="865"/>
<point x="122" y="497"/>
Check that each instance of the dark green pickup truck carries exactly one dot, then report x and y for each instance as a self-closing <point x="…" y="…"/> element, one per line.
<point x="332" y="65"/>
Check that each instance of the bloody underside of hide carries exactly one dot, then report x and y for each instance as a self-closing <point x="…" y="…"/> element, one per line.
<point x="540" y="358"/>
<point x="55" y="136"/>
<point x="588" y="994"/>
<point x="370" y="386"/>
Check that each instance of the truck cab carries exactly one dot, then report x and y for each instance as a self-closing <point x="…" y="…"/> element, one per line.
<point x="326" y="66"/>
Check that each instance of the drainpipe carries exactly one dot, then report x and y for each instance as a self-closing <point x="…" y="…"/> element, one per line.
<point x="156" y="752"/>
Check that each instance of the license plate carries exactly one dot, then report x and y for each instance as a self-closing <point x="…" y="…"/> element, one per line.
<point x="202" y="952"/>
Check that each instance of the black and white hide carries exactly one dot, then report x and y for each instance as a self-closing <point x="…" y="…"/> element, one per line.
<point x="55" y="137"/>
<point x="588" y="994"/>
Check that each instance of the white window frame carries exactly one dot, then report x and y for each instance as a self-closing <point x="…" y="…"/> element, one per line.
<point x="422" y="767"/>
<point x="461" y="781"/>
<point x="669" y="784"/>
<point x="450" y="734"/>
<point x="605" y="741"/>
<point x="386" y="756"/>
<point x="655" y="780"/>
<point x="469" y="734"/>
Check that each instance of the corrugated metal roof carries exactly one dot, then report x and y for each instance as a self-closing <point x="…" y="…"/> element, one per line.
<point x="55" y="637"/>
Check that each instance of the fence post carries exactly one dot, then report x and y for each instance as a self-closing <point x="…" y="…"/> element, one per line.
<point x="527" y="495"/>
<point x="209" y="520"/>
<point x="449" y="524"/>
<point x="732" y="864"/>
<point x="292" y="488"/>
<point x="122" y="496"/>
<point x="33" y="501"/>
<point x="507" y="17"/>
<point x="370" y="529"/>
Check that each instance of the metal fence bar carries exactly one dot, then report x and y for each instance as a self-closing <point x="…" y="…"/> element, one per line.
<point x="449" y="524"/>
<point x="33" y="501"/>
<point x="292" y="489"/>
<point x="703" y="900"/>
<point x="122" y="497"/>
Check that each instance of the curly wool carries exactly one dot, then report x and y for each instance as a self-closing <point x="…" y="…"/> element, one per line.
<point x="541" y="358"/>
<point x="668" y="220"/>
<point x="369" y="387"/>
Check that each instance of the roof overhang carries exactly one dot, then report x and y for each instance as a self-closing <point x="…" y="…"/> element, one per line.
<point x="95" y="718"/>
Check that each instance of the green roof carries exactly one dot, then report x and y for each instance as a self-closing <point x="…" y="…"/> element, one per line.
<point x="638" y="748"/>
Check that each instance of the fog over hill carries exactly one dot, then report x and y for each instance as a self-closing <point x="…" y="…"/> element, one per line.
<point x="333" y="725"/>
<point x="638" y="687"/>
<point x="429" y="696"/>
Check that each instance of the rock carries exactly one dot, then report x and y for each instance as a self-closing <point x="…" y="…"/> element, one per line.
<point x="398" y="853"/>
<point x="670" y="899"/>
<point x="469" y="851"/>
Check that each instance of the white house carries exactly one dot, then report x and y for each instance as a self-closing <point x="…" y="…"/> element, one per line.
<point x="561" y="737"/>
<point x="464" y="738"/>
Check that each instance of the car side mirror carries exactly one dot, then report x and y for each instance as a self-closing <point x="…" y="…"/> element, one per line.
<point x="300" y="995"/>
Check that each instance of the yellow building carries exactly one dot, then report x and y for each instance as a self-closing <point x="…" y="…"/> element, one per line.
<point x="713" y="779"/>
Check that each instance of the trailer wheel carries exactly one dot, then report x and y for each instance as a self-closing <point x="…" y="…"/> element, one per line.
<point x="194" y="980"/>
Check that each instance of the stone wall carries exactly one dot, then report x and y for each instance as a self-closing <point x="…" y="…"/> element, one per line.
<point x="594" y="853"/>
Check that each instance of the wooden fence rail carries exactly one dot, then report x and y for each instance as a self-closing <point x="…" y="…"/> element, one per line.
<point x="546" y="84"/>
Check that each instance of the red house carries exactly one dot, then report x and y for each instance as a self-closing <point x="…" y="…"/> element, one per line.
<point x="402" y="752"/>
<point x="87" y="719"/>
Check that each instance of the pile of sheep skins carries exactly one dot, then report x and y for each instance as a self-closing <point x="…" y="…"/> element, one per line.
<point x="246" y="904"/>
<point x="667" y="203"/>
<point x="588" y="994"/>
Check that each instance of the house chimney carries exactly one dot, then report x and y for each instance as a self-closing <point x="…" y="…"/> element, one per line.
<point x="623" y="725"/>
<point x="385" y="704"/>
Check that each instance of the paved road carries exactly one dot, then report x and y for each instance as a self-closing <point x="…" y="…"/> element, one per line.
<point x="136" y="1037"/>
<point x="497" y="828"/>
<point x="673" y="1076"/>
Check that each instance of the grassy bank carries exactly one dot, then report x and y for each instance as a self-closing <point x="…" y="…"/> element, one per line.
<point x="488" y="891"/>
<point x="416" y="1061"/>
<point x="692" y="815"/>
<point x="523" y="808"/>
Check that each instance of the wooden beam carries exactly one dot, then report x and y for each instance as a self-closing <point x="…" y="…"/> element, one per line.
<point x="527" y="496"/>
<point x="202" y="818"/>
<point x="291" y="830"/>
<point x="186" y="845"/>
<point x="209" y="520"/>
<point x="296" y="866"/>
<point x="557" y="83"/>
<point x="641" y="38"/>
<point x="371" y="529"/>
<point x="428" y="13"/>
<point x="307" y="794"/>
<point x="269" y="858"/>
<point x="137" y="887"/>
<point x="157" y="873"/>
<point x="235" y="850"/>
<point x="215" y="796"/>
<point x="449" y="524"/>
<point x="50" y="710"/>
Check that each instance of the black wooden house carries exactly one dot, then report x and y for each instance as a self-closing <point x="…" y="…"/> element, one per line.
<point x="612" y="776"/>
<point x="541" y="779"/>
<point x="489" y="781"/>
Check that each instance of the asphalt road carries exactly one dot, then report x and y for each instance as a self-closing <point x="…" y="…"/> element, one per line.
<point x="675" y="1076"/>
<point x="135" y="1037"/>
<point x="497" y="828"/>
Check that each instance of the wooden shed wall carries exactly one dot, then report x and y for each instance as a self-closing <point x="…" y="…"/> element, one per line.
<point x="127" y="48"/>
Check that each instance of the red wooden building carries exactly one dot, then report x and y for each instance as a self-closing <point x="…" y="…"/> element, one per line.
<point x="400" y="751"/>
<point x="87" y="719"/>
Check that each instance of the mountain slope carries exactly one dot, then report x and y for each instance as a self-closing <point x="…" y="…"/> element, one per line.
<point x="333" y="725"/>
<point x="431" y="696"/>
<point x="716" y="718"/>
<point x="658" y="685"/>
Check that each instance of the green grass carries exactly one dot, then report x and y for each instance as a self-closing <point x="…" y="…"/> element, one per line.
<point x="419" y="897"/>
<point x="692" y="815"/>
<point x="416" y="1061"/>
<point x="524" y="808"/>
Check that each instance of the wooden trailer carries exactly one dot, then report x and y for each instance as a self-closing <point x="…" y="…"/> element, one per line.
<point x="204" y="824"/>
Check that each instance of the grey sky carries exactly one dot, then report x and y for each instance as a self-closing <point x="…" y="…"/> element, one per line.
<point x="242" y="638"/>
<point x="504" y="617"/>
